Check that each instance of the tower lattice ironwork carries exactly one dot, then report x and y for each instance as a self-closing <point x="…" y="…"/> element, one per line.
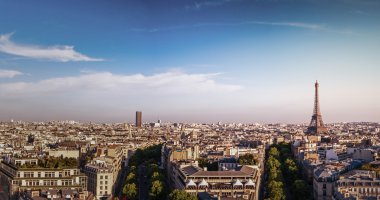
<point x="316" y="124"/>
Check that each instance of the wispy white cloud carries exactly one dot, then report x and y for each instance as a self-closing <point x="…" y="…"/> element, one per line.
<point x="359" y="12"/>
<point x="364" y="13"/>
<point x="59" y="53"/>
<point x="5" y="73"/>
<point x="106" y="83"/>
<point x="105" y="96"/>
<point x="317" y="27"/>
<point x="208" y="3"/>
<point x="289" y="24"/>
<point x="300" y="25"/>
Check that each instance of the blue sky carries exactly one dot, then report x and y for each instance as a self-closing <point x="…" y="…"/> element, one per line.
<point x="189" y="61"/>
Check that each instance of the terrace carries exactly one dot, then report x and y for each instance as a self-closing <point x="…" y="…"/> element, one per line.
<point x="47" y="163"/>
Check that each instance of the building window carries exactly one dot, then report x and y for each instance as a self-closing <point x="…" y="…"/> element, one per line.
<point x="49" y="174"/>
<point x="101" y="177"/>
<point x="67" y="173"/>
<point x="106" y="177"/>
<point x="28" y="174"/>
<point x="324" y="186"/>
<point x="324" y="192"/>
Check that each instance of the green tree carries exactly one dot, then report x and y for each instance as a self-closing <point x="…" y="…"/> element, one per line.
<point x="181" y="195"/>
<point x="137" y="157"/>
<point x="276" y="190"/>
<point x="366" y="166"/>
<point x="290" y="162"/>
<point x="273" y="162"/>
<point x="130" y="190"/>
<point x="285" y="150"/>
<point x="131" y="178"/>
<point x="156" y="190"/>
<point x="156" y="176"/>
<point x="275" y="174"/>
<point x="149" y="153"/>
<point x="247" y="159"/>
<point x="300" y="190"/>
<point x="273" y="151"/>
<point x="133" y="169"/>
<point x="292" y="171"/>
<point x="202" y="162"/>
<point x="56" y="165"/>
<point x="152" y="168"/>
<point x="371" y="168"/>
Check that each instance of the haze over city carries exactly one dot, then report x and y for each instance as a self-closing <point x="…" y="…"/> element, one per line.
<point x="189" y="61"/>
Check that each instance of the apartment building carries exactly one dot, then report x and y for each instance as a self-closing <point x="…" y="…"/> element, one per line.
<point x="100" y="178"/>
<point x="29" y="175"/>
<point x="357" y="184"/>
<point x="242" y="182"/>
<point x="325" y="178"/>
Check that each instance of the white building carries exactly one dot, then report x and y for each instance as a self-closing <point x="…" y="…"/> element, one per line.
<point x="100" y="178"/>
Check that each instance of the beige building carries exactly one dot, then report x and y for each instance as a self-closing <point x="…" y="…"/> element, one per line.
<point x="21" y="175"/>
<point x="100" y="178"/>
<point x="103" y="171"/>
<point x="112" y="155"/>
<point x="357" y="184"/>
<point x="325" y="178"/>
<point x="243" y="182"/>
<point x="323" y="183"/>
<point x="189" y="153"/>
<point x="183" y="173"/>
<point x="69" y="153"/>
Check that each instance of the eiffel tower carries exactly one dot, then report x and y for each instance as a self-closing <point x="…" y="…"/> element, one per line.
<point x="316" y="124"/>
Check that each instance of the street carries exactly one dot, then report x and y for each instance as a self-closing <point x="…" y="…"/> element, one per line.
<point x="143" y="182"/>
<point x="3" y="195"/>
<point x="119" y="186"/>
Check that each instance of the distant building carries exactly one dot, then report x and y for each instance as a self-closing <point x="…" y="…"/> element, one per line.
<point x="336" y="154"/>
<point x="366" y="155"/>
<point x="316" y="124"/>
<point x="357" y="184"/>
<point x="227" y="164"/>
<point x="138" y="119"/>
<point x="191" y="153"/>
<point x="66" y="153"/>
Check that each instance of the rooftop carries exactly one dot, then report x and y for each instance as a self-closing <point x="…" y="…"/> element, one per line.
<point x="198" y="172"/>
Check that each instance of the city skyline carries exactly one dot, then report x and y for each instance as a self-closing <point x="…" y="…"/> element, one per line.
<point x="189" y="61"/>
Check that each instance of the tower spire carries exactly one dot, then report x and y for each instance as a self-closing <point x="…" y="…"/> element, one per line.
<point x="317" y="110"/>
<point x="316" y="124"/>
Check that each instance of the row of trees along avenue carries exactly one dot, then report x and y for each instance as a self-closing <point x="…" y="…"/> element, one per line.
<point x="284" y="177"/>
<point x="158" y="187"/>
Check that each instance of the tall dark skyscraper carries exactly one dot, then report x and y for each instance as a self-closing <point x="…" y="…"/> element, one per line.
<point x="316" y="125"/>
<point x="138" y="118"/>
